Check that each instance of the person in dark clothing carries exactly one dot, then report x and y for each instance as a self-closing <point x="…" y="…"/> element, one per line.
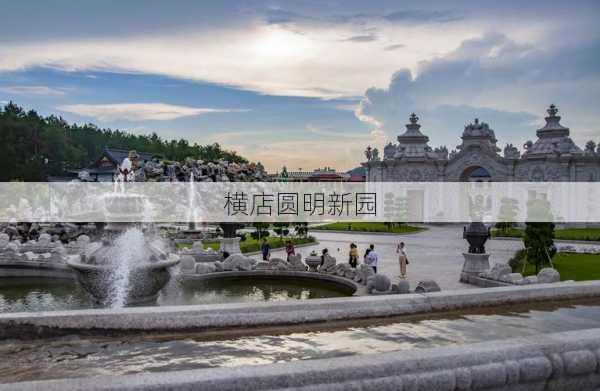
<point x="323" y="253"/>
<point x="265" y="248"/>
<point x="353" y="256"/>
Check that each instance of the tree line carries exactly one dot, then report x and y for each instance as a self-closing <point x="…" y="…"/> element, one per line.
<point x="33" y="147"/>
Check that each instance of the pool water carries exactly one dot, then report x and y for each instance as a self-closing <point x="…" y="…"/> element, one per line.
<point x="78" y="357"/>
<point x="36" y="294"/>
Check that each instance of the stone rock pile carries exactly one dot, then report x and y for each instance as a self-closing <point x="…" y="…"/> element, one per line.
<point x="44" y="249"/>
<point x="157" y="170"/>
<point x="503" y="273"/>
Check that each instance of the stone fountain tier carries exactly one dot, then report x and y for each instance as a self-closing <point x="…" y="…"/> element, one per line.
<point x="123" y="209"/>
<point x="95" y="271"/>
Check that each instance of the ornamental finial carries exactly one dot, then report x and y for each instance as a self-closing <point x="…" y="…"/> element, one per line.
<point x="552" y="110"/>
<point x="413" y="118"/>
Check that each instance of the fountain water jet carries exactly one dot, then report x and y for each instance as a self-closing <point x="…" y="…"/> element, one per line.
<point x="128" y="266"/>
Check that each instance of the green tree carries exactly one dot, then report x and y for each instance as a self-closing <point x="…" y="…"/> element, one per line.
<point x="538" y="237"/>
<point x="33" y="147"/>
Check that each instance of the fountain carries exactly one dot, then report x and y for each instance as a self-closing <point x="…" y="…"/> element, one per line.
<point x="127" y="266"/>
<point x="192" y="233"/>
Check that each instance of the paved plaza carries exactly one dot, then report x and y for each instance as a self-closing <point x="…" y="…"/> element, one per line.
<point x="435" y="253"/>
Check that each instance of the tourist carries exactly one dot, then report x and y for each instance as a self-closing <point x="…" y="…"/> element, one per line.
<point x="289" y="249"/>
<point x="265" y="248"/>
<point x="323" y="254"/>
<point x="372" y="258"/>
<point x="353" y="257"/>
<point x="402" y="258"/>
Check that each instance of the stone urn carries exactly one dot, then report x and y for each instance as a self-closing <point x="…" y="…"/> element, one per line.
<point x="477" y="261"/>
<point x="313" y="262"/>
<point x="476" y="234"/>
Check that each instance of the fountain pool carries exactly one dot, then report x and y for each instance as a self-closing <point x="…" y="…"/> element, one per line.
<point x="37" y="294"/>
<point x="71" y="357"/>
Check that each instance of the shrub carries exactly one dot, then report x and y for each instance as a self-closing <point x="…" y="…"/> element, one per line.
<point x="517" y="261"/>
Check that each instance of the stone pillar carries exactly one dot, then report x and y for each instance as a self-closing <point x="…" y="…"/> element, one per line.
<point x="473" y="265"/>
<point x="231" y="245"/>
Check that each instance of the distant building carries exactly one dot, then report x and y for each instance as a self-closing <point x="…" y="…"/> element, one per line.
<point x="357" y="174"/>
<point x="104" y="168"/>
<point x="326" y="174"/>
<point x="553" y="157"/>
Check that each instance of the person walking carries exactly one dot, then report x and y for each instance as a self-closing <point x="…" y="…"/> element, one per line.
<point x="402" y="258"/>
<point x="353" y="256"/>
<point x="265" y="248"/>
<point x="289" y="249"/>
<point x="372" y="258"/>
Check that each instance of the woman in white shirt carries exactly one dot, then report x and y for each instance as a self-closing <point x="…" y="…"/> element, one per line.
<point x="402" y="258"/>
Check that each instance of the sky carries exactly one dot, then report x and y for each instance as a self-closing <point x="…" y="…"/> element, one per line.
<point x="305" y="84"/>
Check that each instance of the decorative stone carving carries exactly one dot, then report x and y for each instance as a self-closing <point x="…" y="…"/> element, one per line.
<point x="511" y="152"/>
<point x="403" y="286"/>
<point x="204" y="268"/>
<point x="238" y="262"/>
<point x="427" y="286"/>
<point x="328" y="264"/>
<point x="378" y="282"/>
<point x="295" y="262"/>
<point x="389" y="151"/>
<point x="279" y="264"/>
<point x="187" y="263"/>
<point x="548" y="275"/>
<point x="497" y="271"/>
<point x="363" y="272"/>
<point x="512" y="278"/>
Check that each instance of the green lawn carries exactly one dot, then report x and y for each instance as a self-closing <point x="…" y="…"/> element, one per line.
<point x="592" y="234"/>
<point x="251" y="245"/>
<point x="369" y="227"/>
<point x="573" y="266"/>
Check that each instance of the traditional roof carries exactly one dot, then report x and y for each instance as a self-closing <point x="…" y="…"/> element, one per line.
<point x="411" y="144"/>
<point x="553" y="138"/>
<point x="117" y="155"/>
<point x="479" y="133"/>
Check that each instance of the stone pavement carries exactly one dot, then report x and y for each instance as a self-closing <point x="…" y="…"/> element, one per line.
<point x="433" y="254"/>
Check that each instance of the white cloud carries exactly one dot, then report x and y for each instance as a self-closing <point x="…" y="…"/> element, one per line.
<point x="270" y="59"/>
<point x="36" y="90"/>
<point x="139" y="111"/>
<point x="491" y="77"/>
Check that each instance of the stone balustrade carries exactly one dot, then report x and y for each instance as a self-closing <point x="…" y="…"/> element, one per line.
<point x="558" y="361"/>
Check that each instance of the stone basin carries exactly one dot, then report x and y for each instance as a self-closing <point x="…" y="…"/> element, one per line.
<point x="145" y="280"/>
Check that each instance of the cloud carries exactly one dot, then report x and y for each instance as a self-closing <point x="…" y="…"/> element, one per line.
<point x="139" y="111"/>
<point x="395" y="46"/>
<point x="491" y="77"/>
<point x="310" y="60"/>
<point x="424" y="16"/>
<point x="361" y="38"/>
<point x="36" y="90"/>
